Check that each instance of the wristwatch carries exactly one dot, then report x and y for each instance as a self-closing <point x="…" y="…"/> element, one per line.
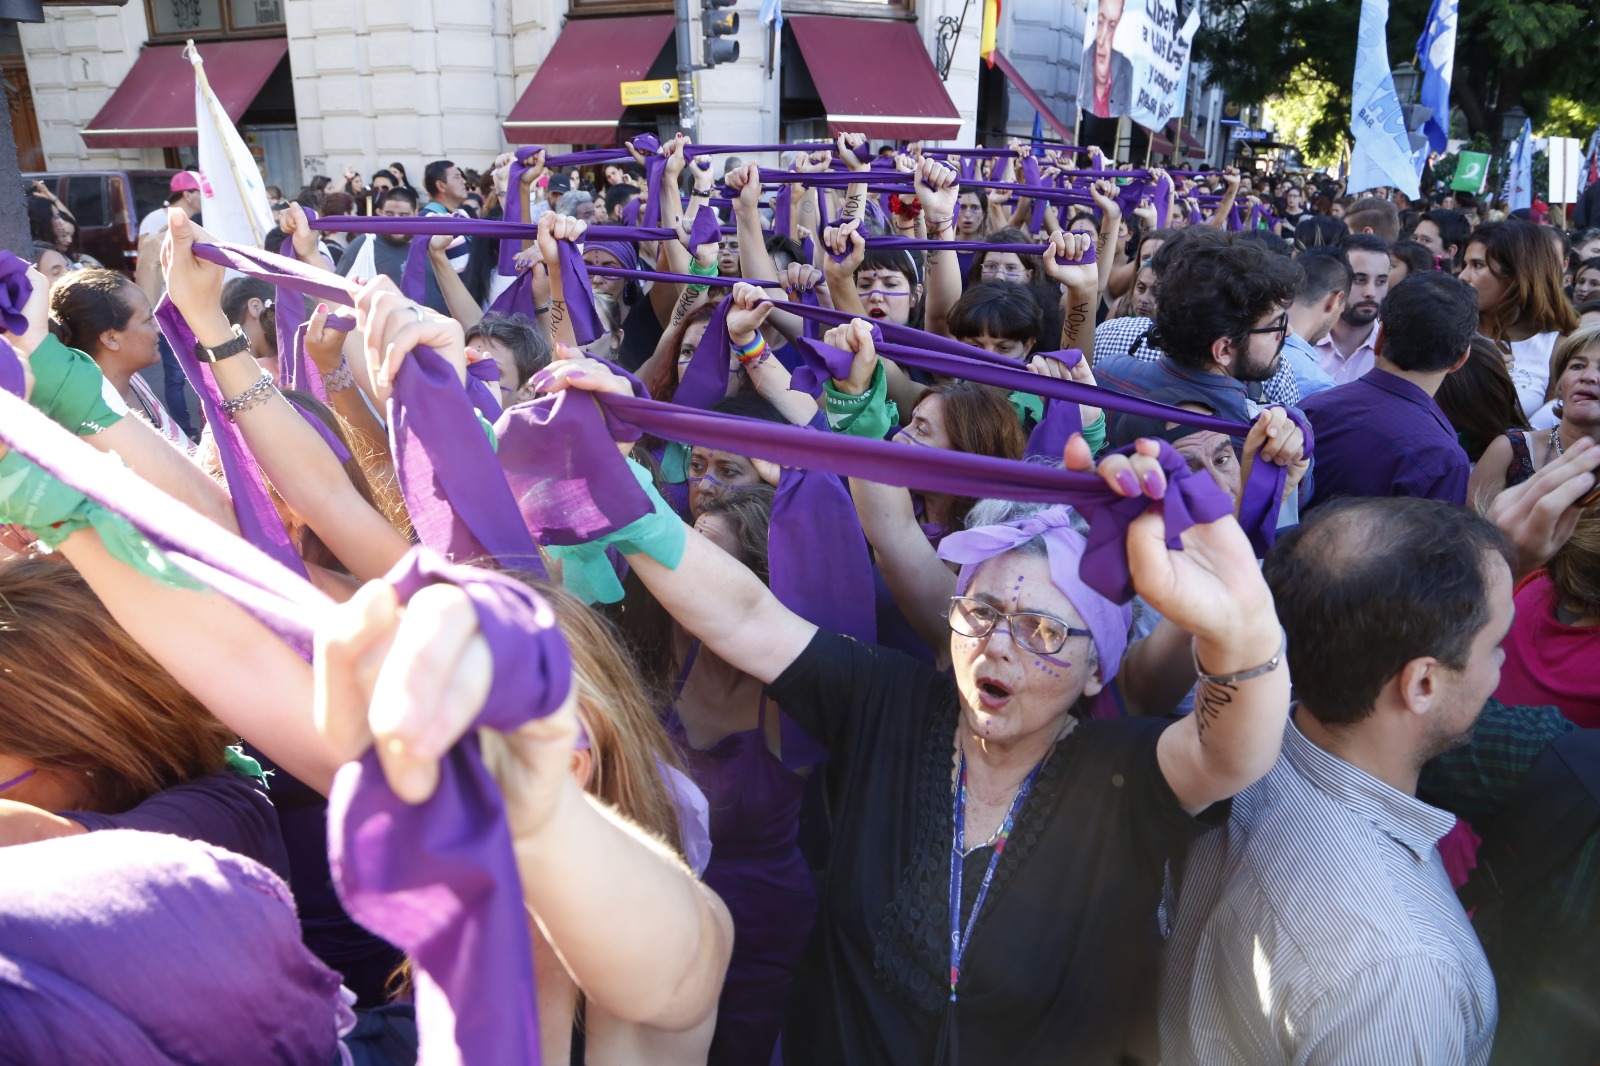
<point x="233" y="346"/>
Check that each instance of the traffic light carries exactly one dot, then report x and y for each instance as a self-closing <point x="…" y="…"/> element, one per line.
<point x="719" y="24"/>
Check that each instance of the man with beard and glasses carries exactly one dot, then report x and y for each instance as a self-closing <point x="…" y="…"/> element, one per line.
<point x="1319" y="926"/>
<point x="1348" y="349"/>
<point x="1221" y="320"/>
<point x="1383" y="435"/>
<point x="389" y="250"/>
<point x="1135" y="335"/>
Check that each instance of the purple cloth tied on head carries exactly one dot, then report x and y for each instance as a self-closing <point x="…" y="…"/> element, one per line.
<point x="626" y="255"/>
<point x="15" y="288"/>
<point x="252" y="504"/>
<point x="439" y="879"/>
<point x="570" y="482"/>
<point x="1065" y="549"/>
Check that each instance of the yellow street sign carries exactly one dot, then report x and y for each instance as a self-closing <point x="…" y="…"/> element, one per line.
<point x="664" y="91"/>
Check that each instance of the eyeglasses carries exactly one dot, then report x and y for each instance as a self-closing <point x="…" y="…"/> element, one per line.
<point x="995" y="270"/>
<point x="1042" y="634"/>
<point x="1280" y="326"/>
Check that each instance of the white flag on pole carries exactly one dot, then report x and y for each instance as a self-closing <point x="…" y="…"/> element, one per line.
<point x="233" y="197"/>
<point x="1382" y="152"/>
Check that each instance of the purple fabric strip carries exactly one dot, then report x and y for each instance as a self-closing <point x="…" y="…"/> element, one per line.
<point x="655" y="165"/>
<point x="252" y="504"/>
<point x="439" y="879"/>
<point x="1031" y="175"/>
<point x="705" y="380"/>
<point x="289" y="316"/>
<point x="15" y="288"/>
<point x="578" y="293"/>
<point x="482" y="388"/>
<point x="1163" y="200"/>
<point x="678" y="279"/>
<point x="1190" y="497"/>
<point x="706" y="229"/>
<point x="782" y="208"/>
<point x="914" y="244"/>
<point x="571" y="494"/>
<point x="517" y="297"/>
<point x="818" y="556"/>
<point x="340" y="452"/>
<point x="414" y="275"/>
<point x="459" y="502"/>
<point x="278" y="269"/>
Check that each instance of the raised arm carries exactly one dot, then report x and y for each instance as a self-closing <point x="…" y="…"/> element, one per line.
<point x="1063" y="263"/>
<point x="937" y="190"/>
<point x="710" y="593"/>
<point x="1214" y="590"/>
<point x="457" y="300"/>
<point x="639" y="934"/>
<point x="293" y="456"/>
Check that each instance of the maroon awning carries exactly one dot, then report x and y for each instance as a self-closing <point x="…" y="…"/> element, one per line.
<point x="875" y="77"/>
<point x="154" y="105"/>
<point x="1063" y="130"/>
<point x="575" y="97"/>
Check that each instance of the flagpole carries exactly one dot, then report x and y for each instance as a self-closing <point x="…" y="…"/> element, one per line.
<point x="199" y="64"/>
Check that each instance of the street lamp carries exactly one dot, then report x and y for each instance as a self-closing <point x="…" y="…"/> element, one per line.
<point x="1511" y="124"/>
<point x="1407" y="80"/>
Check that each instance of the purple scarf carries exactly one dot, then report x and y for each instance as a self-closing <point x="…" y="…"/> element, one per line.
<point x="475" y="998"/>
<point x="439" y="880"/>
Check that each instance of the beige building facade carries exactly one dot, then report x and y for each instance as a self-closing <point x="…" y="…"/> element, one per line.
<point x="363" y="83"/>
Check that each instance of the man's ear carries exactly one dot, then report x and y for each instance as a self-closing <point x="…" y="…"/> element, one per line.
<point x="1420" y="684"/>
<point x="1223" y="353"/>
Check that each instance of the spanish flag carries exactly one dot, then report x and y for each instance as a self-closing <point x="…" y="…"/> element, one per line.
<point x="991" y="21"/>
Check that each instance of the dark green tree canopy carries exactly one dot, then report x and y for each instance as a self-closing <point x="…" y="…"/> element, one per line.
<point x="1509" y="53"/>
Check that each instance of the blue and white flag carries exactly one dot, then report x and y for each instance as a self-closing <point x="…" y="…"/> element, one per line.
<point x="1437" y="50"/>
<point x="1382" y="153"/>
<point x="772" y="13"/>
<point x="1519" y="182"/>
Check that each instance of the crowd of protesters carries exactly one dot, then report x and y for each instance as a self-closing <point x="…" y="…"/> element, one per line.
<point x="852" y="608"/>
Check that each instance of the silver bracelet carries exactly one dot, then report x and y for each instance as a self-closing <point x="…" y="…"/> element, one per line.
<point x="255" y="394"/>
<point x="339" y="378"/>
<point x="1243" y="675"/>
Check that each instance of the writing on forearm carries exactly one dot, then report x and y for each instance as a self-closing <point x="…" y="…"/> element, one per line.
<point x="1073" y="323"/>
<point x="1210" y="698"/>
<point x="558" y="314"/>
<point x="853" y="205"/>
<point x="681" y="308"/>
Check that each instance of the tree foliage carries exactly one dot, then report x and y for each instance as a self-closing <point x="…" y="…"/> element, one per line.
<point x="1534" y="54"/>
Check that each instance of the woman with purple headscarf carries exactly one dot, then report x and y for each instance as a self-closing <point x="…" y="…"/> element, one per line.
<point x="993" y="887"/>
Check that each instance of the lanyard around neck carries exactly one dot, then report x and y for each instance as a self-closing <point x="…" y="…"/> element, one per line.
<point x="959" y="939"/>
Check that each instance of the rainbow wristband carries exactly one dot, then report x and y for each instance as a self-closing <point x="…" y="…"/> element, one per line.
<point x="756" y="350"/>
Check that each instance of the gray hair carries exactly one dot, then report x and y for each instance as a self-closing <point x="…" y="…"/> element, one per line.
<point x="569" y="201"/>
<point x="530" y="351"/>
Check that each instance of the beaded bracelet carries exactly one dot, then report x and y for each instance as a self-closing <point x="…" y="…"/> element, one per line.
<point x="255" y="394"/>
<point x="339" y="378"/>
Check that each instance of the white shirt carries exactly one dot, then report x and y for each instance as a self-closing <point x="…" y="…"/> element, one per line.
<point x="1530" y="369"/>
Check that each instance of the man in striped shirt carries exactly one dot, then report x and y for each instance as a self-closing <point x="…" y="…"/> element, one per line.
<point x="1319" y="925"/>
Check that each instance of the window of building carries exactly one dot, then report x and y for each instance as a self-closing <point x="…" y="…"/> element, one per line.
<point x="175" y="20"/>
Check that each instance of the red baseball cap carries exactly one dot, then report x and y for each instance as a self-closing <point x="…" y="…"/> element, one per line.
<point x="183" y="181"/>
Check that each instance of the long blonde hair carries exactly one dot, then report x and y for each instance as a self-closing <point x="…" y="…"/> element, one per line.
<point x="80" y="695"/>
<point x="627" y="741"/>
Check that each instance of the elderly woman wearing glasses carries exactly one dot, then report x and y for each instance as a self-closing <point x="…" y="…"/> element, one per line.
<point x="993" y="886"/>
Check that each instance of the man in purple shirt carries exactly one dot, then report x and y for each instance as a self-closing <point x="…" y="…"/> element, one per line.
<point x="1383" y="434"/>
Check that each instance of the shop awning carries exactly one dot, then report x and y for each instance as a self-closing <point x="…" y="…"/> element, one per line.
<point x="154" y="105"/>
<point x="875" y="77"/>
<point x="575" y="97"/>
<point x="1161" y="143"/>
<point x="1063" y="130"/>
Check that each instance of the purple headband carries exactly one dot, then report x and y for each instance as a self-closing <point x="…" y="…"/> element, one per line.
<point x="15" y="288"/>
<point x="1107" y="622"/>
<point x="626" y="255"/>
